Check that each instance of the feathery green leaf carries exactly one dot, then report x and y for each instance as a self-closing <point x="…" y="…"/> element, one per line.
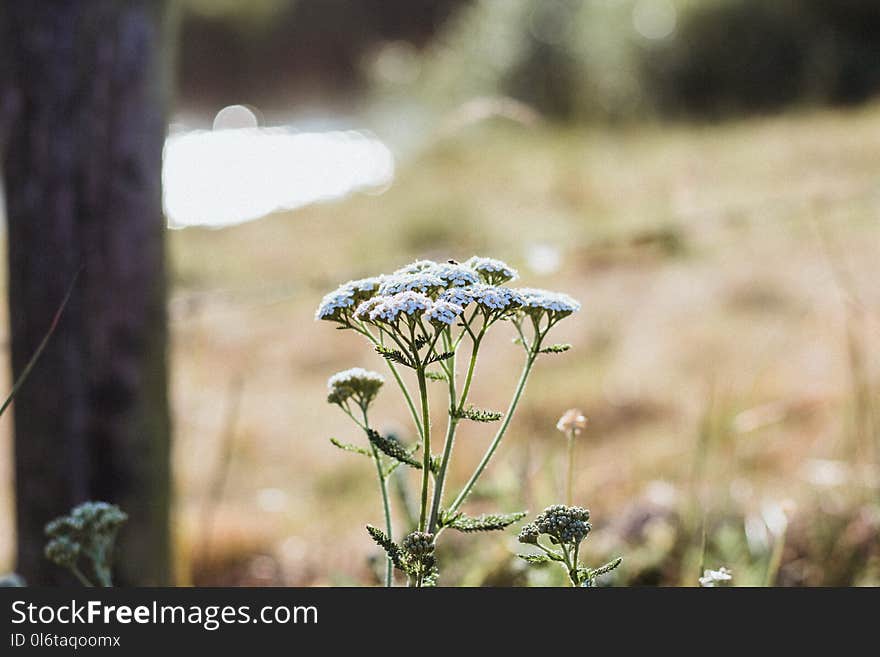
<point x="535" y="559"/>
<point x="487" y="522"/>
<point x="391" y="548"/>
<point x="555" y="349"/>
<point x="392" y="447"/>
<point x="479" y="415"/>
<point x="394" y="355"/>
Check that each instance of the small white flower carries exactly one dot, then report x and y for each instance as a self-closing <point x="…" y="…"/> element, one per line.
<point x="712" y="578"/>
<point x="356" y="381"/>
<point x="544" y="300"/>
<point x="389" y="308"/>
<point x="424" y="282"/>
<point x="490" y="297"/>
<point x="363" y="311"/>
<point x="454" y="275"/>
<point x="491" y="270"/>
<point x="335" y="304"/>
<point x="443" y="312"/>
<point x="364" y="288"/>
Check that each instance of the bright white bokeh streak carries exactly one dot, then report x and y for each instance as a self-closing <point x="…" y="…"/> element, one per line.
<point x="228" y="176"/>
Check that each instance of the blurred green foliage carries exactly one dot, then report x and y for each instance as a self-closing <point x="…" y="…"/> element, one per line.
<point x="577" y="59"/>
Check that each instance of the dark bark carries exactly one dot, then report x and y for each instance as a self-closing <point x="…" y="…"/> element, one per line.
<point x="87" y="85"/>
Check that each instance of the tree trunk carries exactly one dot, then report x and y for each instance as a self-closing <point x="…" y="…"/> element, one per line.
<point x="88" y="83"/>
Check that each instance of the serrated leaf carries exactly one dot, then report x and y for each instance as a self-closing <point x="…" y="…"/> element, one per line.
<point x="396" y="464"/>
<point x="348" y="447"/>
<point x="391" y="548"/>
<point x="435" y="376"/>
<point x="394" y="355"/>
<point x="535" y="559"/>
<point x="479" y="415"/>
<point x="436" y="358"/>
<point x="420" y="342"/>
<point x="487" y="522"/>
<point x="607" y="568"/>
<point x="555" y="349"/>
<point x="391" y="446"/>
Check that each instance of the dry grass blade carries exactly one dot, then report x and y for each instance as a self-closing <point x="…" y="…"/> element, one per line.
<point x="45" y="341"/>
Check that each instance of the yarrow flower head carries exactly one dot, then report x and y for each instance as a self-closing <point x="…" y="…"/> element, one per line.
<point x="443" y="313"/>
<point x="492" y="271"/>
<point x="455" y="275"/>
<point x="556" y="305"/>
<point x="712" y="578"/>
<point x="418" y="544"/>
<point x="358" y="383"/>
<point x="389" y="308"/>
<point x="336" y="304"/>
<point x="488" y="297"/>
<point x="424" y="282"/>
<point x="89" y="530"/>
<point x="529" y="534"/>
<point x="364" y="288"/>
<point x="63" y="552"/>
<point x="564" y="524"/>
<point x="87" y="519"/>
<point x="573" y="421"/>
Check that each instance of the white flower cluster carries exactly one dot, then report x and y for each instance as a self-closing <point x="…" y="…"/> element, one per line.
<point x="354" y="382"/>
<point x="443" y="312"/>
<point x="440" y="292"/>
<point x="489" y="297"/>
<point x="389" y="308"/>
<point x="455" y="275"/>
<point x="425" y="282"/>
<point x="535" y="301"/>
<point x="491" y="270"/>
<point x="334" y="305"/>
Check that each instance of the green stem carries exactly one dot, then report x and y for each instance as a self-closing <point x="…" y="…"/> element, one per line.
<point x="386" y="506"/>
<point x="400" y="383"/>
<point x="520" y="386"/>
<point x="426" y="447"/>
<point x="569" y="484"/>
<point x="82" y="578"/>
<point x="450" y="430"/>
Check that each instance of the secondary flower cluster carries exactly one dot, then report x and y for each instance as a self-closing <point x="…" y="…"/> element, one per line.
<point x="563" y="524"/>
<point x="88" y="531"/>
<point x="356" y="383"/>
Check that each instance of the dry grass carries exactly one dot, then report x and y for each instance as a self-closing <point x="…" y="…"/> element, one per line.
<point x="712" y="354"/>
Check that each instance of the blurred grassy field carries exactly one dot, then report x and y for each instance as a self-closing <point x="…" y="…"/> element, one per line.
<point x="725" y="355"/>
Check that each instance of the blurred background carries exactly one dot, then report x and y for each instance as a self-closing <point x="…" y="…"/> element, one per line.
<point x="701" y="175"/>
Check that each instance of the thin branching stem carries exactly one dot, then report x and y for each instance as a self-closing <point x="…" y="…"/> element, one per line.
<point x="426" y="447"/>
<point x="520" y="386"/>
<point x="400" y="383"/>
<point x="456" y="408"/>
<point x="569" y="480"/>
<point x="386" y="504"/>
